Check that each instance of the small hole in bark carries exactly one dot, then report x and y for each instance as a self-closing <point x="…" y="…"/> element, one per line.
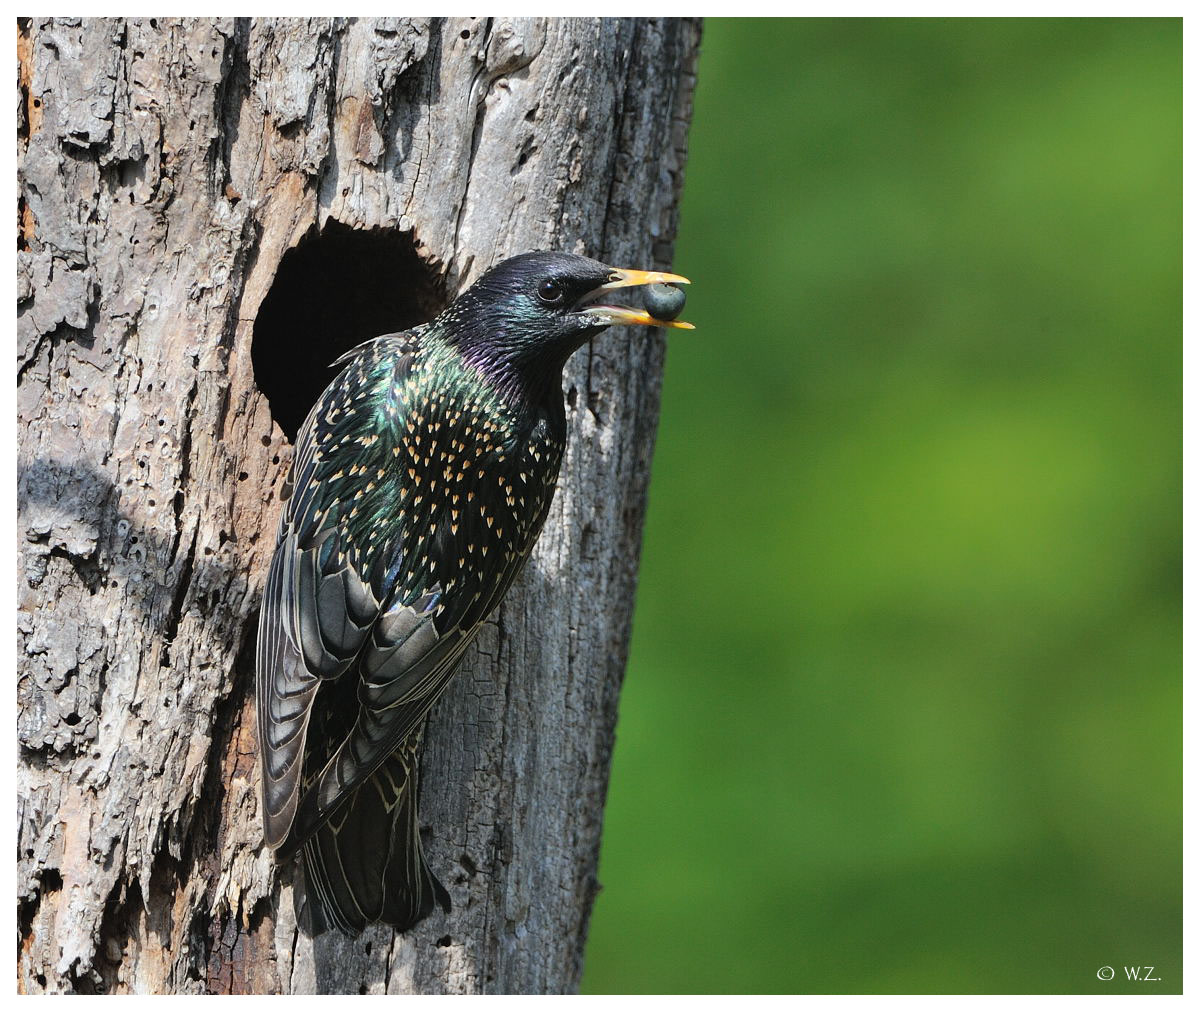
<point x="464" y="34"/>
<point x="37" y="103"/>
<point x="362" y="988"/>
<point x="444" y="942"/>
<point x="334" y="290"/>
<point x="71" y="719"/>
<point x="242" y="476"/>
<point x="154" y="22"/>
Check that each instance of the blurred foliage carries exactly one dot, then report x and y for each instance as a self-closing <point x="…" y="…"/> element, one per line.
<point x="903" y="712"/>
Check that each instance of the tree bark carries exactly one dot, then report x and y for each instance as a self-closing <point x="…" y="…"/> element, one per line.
<point x="166" y="167"/>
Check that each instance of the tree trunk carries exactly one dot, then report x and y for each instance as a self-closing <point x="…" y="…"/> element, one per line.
<point x="209" y="212"/>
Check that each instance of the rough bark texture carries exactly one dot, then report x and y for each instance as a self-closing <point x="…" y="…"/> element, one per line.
<point x="165" y="169"/>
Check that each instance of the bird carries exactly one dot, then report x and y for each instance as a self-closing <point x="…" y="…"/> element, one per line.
<point x="420" y="481"/>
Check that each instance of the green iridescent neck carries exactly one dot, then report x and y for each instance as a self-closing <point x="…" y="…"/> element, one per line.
<point x="493" y="368"/>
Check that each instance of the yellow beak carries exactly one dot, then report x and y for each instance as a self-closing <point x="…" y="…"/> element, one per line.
<point x="628" y="315"/>
<point x="627" y="279"/>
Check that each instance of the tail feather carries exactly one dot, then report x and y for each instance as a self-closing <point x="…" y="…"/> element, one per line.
<point x="366" y="863"/>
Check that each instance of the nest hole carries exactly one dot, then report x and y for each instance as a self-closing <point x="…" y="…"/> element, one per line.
<point x="335" y="289"/>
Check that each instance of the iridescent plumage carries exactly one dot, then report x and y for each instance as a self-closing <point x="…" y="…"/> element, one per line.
<point x="421" y="479"/>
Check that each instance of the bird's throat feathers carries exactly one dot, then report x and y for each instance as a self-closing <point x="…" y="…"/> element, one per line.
<point x="505" y="348"/>
<point x="483" y="381"/>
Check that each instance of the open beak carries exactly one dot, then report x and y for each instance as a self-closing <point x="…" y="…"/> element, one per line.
<point x="613" y="314"/>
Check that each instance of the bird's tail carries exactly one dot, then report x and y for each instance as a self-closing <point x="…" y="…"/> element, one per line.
<point x="366" y="863"/>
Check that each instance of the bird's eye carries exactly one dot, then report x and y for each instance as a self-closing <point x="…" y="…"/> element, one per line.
<point x="550" y="292"/>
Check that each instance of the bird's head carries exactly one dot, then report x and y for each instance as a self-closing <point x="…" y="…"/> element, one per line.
<point x="525" y="316"/>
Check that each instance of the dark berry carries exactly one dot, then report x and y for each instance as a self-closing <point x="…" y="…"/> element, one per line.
<point x="664" y="302"/>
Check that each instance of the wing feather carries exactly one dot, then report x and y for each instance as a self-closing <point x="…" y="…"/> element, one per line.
<point x="316" y="613"/>
<point x="329" y="612"/>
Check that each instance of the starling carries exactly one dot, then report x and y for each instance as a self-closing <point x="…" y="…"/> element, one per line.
<point x="420" y="482"/>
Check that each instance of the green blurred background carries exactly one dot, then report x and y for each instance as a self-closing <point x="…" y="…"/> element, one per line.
<point x="903" y="707"/>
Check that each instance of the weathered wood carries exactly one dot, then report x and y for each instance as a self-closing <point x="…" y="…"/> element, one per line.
<point x="165" y="168"/>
